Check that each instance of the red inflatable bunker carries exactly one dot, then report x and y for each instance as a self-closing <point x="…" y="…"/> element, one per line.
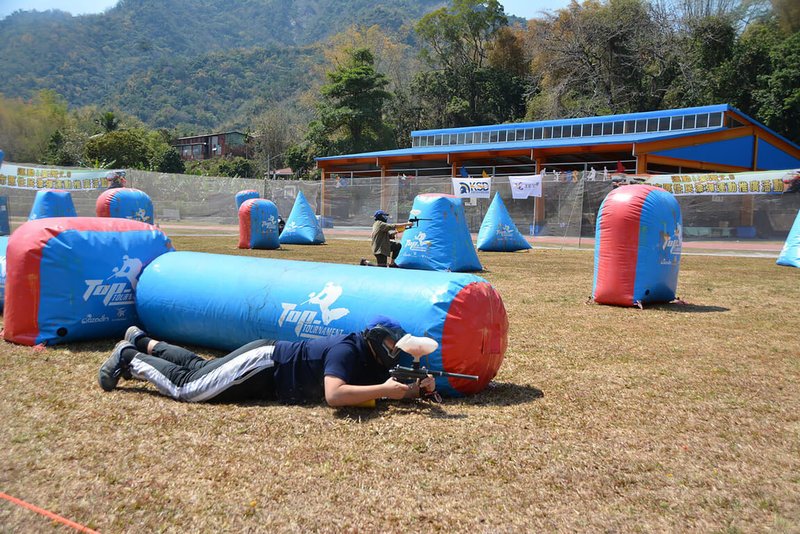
<point x="125" y="203"/>
<point x="73" y="278"/>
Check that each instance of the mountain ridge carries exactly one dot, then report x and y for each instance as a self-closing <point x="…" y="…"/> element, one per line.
<point x="104" y="59"/>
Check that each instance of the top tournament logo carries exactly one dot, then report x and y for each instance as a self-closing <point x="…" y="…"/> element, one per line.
<point x="312" y="323"/>
<point x="117" y="289"/>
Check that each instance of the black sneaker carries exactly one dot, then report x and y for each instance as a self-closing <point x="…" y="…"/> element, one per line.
<point x="114" y="367"/>
<point x="132" y="333"/>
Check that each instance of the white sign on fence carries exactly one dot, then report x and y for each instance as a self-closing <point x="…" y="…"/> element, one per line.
<point x="472" y="187"/>
<point x="525" y="186"/>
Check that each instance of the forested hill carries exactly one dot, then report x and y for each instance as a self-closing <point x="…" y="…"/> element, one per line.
<point x="195" y="62"/>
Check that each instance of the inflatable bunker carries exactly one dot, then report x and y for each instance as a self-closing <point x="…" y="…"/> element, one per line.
<point x="302" y="226"/>
<point x="73" y="278"/>
<point x="225" y="301"/>
<point x="52" y="203"/>
<point x="247" y="194"/>
<point x="638" y="240"/>
<point x="125" y="203"/>
<point x="3" y="249"/>
<point x="498" y="232"/>
<point x="440" y="241"/>
<point x="258" y="224"/>
<point x="790" y="253"/>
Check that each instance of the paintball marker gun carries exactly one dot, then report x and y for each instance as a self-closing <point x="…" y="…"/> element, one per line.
<point x="418" y="347"/>
<point x="413" y="373"/>
<point x="415" y="221"/>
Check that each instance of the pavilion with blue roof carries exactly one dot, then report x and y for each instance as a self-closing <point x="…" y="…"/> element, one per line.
<point x="716" y="138"/>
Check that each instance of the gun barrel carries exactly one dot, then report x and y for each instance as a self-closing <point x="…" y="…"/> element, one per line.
<point x="408" y="372"/>
<point x="452" y="375"/>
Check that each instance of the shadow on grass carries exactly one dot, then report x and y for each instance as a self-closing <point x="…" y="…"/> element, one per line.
<point x="504" y="394"/>
<point x="686" y="308"/>
<point x="496" y="394"/>
<point x="430" y="409"/>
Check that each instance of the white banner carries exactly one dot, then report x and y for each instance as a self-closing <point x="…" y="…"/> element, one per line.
<point x="525" y="186"/>
<point x="472" y="187"/>
<point x="20" y="177"/>
<point x="725" y="184"/>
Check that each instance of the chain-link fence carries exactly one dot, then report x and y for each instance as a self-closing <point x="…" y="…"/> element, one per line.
<point x="568" y="208"/>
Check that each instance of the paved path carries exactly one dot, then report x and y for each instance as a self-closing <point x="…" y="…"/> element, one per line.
<point x="748" y="248"/>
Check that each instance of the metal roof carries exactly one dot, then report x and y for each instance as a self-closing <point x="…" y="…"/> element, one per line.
<point x="530" y="144"/>
<point x="721" y="144"/>
<point x="582" y="120"/>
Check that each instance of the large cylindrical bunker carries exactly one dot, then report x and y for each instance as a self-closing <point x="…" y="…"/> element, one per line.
<point x="226" y="301"/>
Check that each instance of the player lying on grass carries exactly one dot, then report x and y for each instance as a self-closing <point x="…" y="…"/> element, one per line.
<point x="344" y="370"/>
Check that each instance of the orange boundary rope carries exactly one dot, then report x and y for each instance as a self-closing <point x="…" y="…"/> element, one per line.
<point x="51" y="515"/>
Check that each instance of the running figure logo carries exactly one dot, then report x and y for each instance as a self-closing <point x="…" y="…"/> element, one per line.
<point x="418" y="243"/>
<point x="141" y="215"/>
<point x="312" y="323"/>
<point x="131" y="267"/>
<point x="269" y="224"/>
<point x="117" y="289"/>
<point x="324" y="299"/>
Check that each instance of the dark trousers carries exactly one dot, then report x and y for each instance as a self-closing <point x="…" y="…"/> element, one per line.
<point x="382" y="258"/>
<point x="244" y="374"/>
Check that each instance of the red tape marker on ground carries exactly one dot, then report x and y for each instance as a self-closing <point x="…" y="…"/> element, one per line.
<point x="51" y="515"/>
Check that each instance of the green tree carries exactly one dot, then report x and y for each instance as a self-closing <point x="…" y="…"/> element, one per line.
<point x="26" y="128"/>
<point x="778" y="98"/>
<point x="464" y="87"/>
<point x="351" y="110"/>
<point x="120" y="148"/>
<point x="350" y="114"/>
<point x="61" y="149"/>
<point x="273" y="132"/>
<point x="237" y="167"/>
<point x="169" y="161"/>
<point x="600" y="58"/>
<point x="762" y="77"/>
<point x="300" y="158"/>
<point x="695" y="51"/>
<point x="788" y="13"/>
<point x="461" y="35"/>
<point x="394" y="57"/>
<point x="108" y="122"/>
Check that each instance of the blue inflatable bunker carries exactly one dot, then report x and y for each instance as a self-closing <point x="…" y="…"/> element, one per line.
<point x="498" y="232"/>
<point x="3" y="248"/>
<point x="302" y="226"/>
<point x="247" y="194"/>
<point x="258" y="224"/>
<point x="52" y="203"/>
<point x="125" y="203"/>
<point x="225" y="301"/>
<point x="638" y="240"/>
<point x="73" y="278"/>
<point x="790" y="253"/>
<point x="441" y="240"/>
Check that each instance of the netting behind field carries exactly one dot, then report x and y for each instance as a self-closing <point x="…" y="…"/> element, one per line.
<point x="568" y="209"/>
<point x="212" y="199"/>
<point x="352" y="203"/>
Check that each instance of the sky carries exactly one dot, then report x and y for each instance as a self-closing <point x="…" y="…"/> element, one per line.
<point x="521" y="8"/>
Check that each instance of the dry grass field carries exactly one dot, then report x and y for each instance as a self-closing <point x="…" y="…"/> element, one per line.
<point x="675" y="418"/>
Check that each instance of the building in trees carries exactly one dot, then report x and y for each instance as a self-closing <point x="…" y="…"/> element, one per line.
<point x="213" y="145"/>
